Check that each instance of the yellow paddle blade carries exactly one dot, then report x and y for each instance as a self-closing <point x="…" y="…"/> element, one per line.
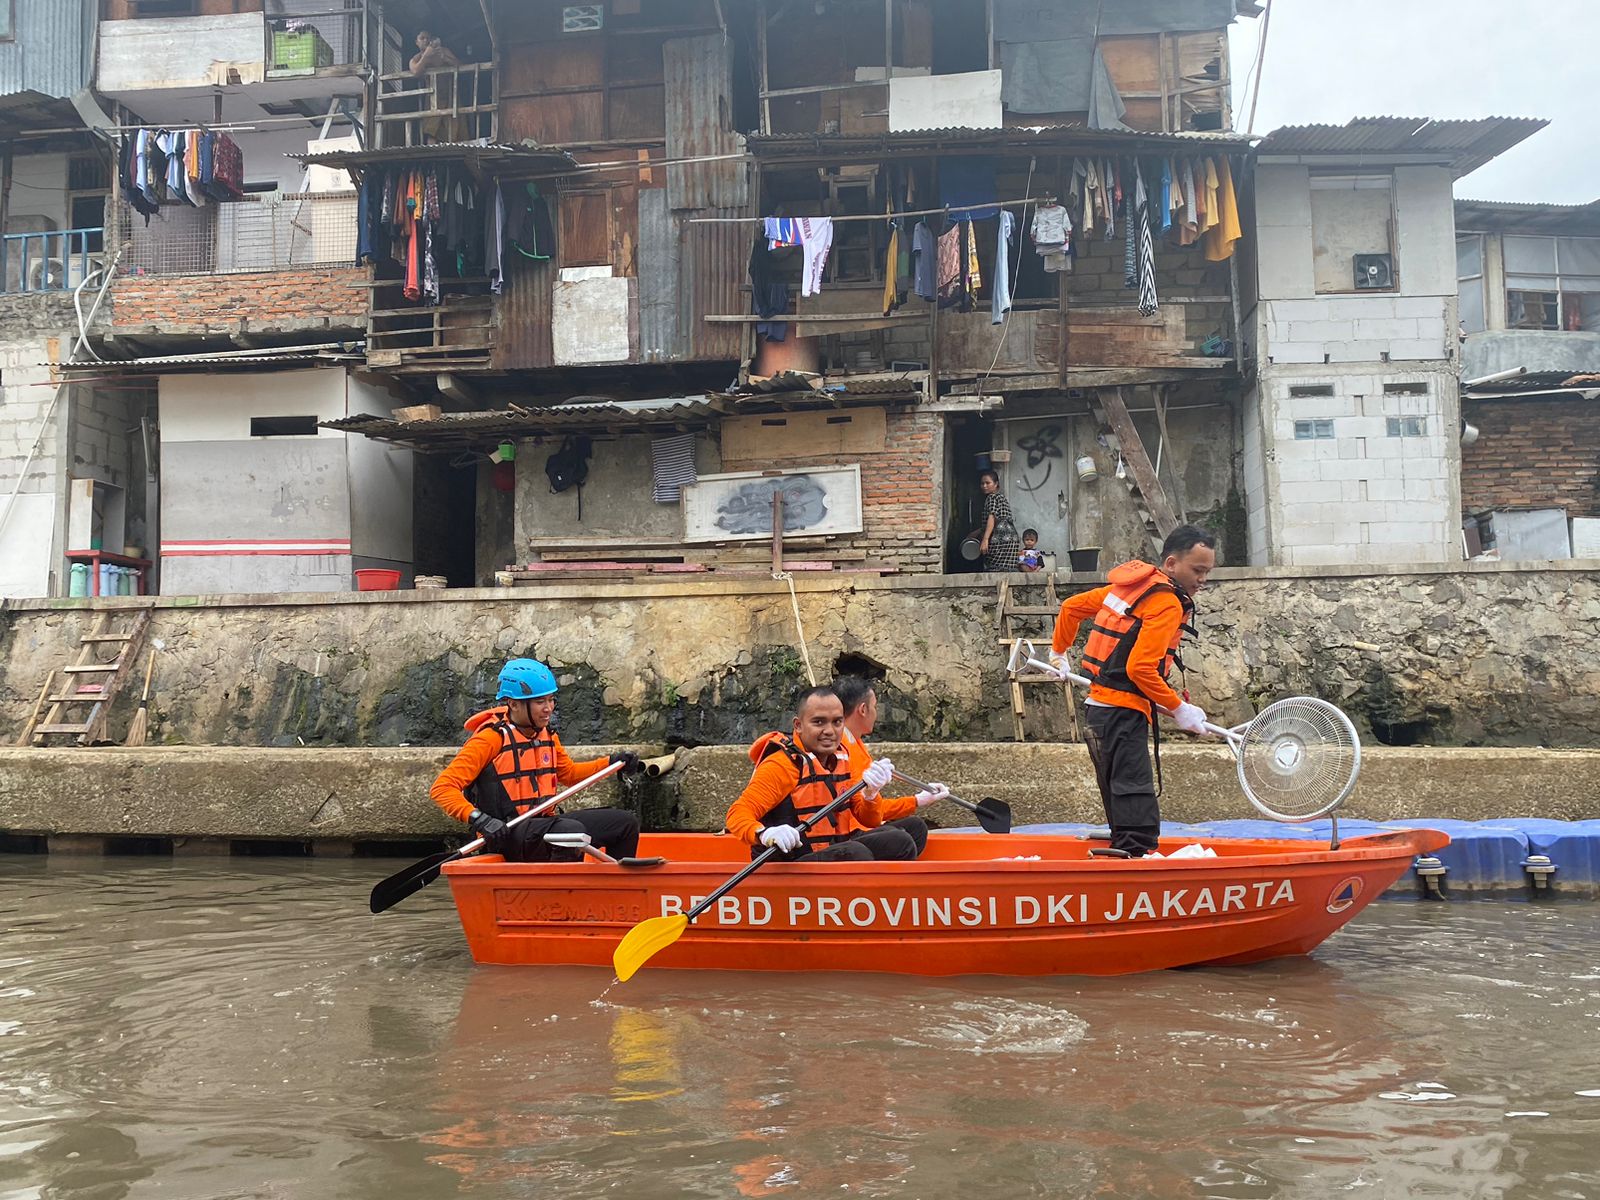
<point x="644" y="941"/>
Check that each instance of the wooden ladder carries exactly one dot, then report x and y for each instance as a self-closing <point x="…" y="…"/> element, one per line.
<point x="112" y="674"/>
<point x="1009" y="634"/>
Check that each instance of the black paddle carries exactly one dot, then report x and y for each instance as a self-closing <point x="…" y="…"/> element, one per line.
<point x="993" y="815"/>
<point x="420" y="874"/>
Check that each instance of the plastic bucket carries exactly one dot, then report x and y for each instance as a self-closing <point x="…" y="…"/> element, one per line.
<point x="374" y="579"/>
<point x="1086" y="559"/>
<point x="1086" y="469"/>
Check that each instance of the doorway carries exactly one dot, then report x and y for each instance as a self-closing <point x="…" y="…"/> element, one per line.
<point x="968" y="437"/>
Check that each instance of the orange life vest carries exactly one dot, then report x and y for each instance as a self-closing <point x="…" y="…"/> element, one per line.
<point x="520" y="776"/>
<point x="1116" y="626"/>
<point x="817" y="787"/>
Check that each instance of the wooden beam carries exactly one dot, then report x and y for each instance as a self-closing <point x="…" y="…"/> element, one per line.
<point x="1138" y="460"/>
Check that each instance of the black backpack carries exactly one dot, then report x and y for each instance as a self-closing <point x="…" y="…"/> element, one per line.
<point x="568" y="466"/>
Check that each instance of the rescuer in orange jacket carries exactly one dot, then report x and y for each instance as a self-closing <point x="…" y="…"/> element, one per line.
<point x="514" y="760"/>
<point x="801" y="772"/>
<point x="1136" y="627"/>
<point x="860" y="700"/>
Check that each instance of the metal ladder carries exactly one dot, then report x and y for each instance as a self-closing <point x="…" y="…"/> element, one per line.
<point x="96" y="696"/>
<point x="1009" y="635"/>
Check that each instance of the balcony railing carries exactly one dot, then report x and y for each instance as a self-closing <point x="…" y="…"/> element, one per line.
<point x="272" y="233"/>
<point x="56" y="261"/>
<point x="451" y="104"/>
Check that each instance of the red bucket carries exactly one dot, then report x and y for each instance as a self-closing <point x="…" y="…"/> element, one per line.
<point x="374" y="579"/>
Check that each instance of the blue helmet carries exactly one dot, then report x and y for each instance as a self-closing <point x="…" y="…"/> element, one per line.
<point x="525" y="679"/>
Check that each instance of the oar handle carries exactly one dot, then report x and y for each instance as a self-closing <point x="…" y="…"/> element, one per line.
<point x="927" y="787"/>
<point x="766" y="855"/>
<point x="1233" y="736"/>
<point x="478" y="843"/>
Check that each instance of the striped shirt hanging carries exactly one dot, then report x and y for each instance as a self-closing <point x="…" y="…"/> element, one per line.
<point x="1148" y="302"/>
<point x="671" y="466"/>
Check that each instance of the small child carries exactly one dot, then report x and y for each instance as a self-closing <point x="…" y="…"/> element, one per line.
<point x="1032" y="558"/>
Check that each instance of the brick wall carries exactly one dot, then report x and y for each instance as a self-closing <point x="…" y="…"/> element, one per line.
<point x="1533" y="454"/>
<point x="334" y="299"/>
<point x="902" y="493"/>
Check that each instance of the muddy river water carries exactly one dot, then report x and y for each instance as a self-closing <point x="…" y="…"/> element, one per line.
<point x="244" y="1028"/>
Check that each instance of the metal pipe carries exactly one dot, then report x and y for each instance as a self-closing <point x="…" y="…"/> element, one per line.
<point x="1495" y="378"/>
<point x="655" y="768"/>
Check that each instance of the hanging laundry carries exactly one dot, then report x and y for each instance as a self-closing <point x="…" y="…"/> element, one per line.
<point x="971" y="275"/>
<point x="781" y="231"/>
<point x="924" y="258"/>
<point x="891" y="271"/>
<point x="1189" y="228"/>
<point x="816" y="239"/>
<point x="529" y="229"/>
<point x="671" y="466"/>
<point x="1148" y="302"/>
<point x="1166" y="194"/>
<point x="1051" y="229"/>
<point x="1130" y="251"/>
<point x="1220" y="237"/>
<point x="1000" y="300"/>
<point x="769" y="292"/>
<point x="1213" y="185"/>
<point x="494" y="236"/>
<point x="1091" y="196"/>
<point x="949" y="267"/>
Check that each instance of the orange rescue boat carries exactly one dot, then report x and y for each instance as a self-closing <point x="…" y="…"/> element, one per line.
<point x="973" y="904"/>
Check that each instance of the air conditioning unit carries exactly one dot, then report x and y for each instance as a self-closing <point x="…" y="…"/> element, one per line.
<point x="1374" y="271"/>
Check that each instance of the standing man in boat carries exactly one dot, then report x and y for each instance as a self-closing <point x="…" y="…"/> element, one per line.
<point x="860" y="700"/>
<point x="1136" y="625"/>
<point x="801" y="772"/>
<point x="514" y="760"/>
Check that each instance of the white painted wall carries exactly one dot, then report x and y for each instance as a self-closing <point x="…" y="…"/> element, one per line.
<point x="589" y="319"/>
<point x="1361" y="496"/>
<point x="25" y="543"/>
<point x="206" y="407"/>
<point x="174" y="52"/>
<point x="380" y="483"/>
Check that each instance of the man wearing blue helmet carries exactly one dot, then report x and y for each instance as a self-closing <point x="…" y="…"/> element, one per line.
<point x="513" y="761"/>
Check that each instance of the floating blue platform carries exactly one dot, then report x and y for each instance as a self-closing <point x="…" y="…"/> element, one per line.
<point x="1514" y="854"/>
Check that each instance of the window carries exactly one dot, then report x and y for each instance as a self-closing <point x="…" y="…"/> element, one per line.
<point x="283" y="426"/>
<point x="585" y="237"/>
<point x="1405" y="389"/>
<point x="1309" y="431"/>
<point x="1553" y="283"/>
<point x="1406" y="426"/>
<point x="1304" y="391"/>
<point x="1350" y="215"/>
<point x="1469" y="281"/>
<point x="165" y="8"/>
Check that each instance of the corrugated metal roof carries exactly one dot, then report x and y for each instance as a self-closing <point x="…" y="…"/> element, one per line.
<point x="495" y="155"/>
<point x="49" y="53"/>
<point x="597" y="416"/>
<point x="328" y="354"/>
<point x="1497" y="216"/>
<point x="1462" y="145"/>
<point x="1033" y="137"/>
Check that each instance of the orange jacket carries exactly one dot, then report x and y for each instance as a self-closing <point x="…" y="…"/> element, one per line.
<point x="776" y="780"/>
<point x="890" y="808"/>
<point x="486" y="744"/>
<point x="1162" y="614"/>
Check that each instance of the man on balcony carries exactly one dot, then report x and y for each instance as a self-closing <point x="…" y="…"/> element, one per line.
<point x="433" y="55"/>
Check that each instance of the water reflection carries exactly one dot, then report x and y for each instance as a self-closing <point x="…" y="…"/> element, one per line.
<point x="251" y="1031"/>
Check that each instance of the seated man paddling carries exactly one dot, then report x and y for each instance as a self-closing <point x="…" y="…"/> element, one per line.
<point x="799" y="773"/>
<point x="513" y="761"/>
<point x="860" y="700"/>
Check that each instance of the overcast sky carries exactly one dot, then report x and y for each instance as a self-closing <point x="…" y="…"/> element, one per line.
<point x="1330" y="60"/>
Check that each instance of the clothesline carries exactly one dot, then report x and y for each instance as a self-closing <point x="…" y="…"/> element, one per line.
<point x="917" y="212"/>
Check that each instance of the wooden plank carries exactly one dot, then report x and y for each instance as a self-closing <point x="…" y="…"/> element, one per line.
<point x="59" y="728"/>
<point x="772" y="437"/>
<point x="1133" y="453"/>
<point x="38" y="707"/>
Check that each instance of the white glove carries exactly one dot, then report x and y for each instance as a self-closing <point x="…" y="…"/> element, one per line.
<point x="1060" y="664"/>
<point x="1190" y="718"/>
<point x="877" y="777"/>
<point x="784" y="837"/>
<point x="936" y="791"/>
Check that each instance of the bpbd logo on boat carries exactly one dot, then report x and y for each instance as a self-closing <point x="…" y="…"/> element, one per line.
<point x="1344" y="894"/>
<point x="902" y="910"/>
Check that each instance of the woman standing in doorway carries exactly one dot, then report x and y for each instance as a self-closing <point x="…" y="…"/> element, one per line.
<point x="999" y="543"/>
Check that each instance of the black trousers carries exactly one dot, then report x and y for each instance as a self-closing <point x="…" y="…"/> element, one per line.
<point x="892" y="842"/>
<point x="1119" y="747"/>
<point x="614" y="830"/>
